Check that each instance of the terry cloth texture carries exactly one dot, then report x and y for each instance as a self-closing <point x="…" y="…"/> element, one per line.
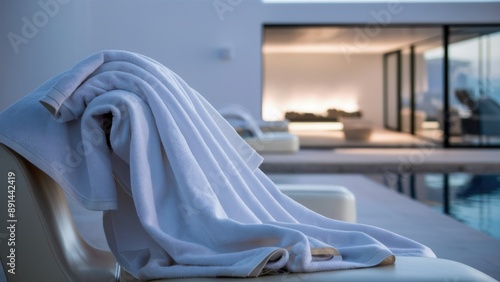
<point x="189" y="198"/>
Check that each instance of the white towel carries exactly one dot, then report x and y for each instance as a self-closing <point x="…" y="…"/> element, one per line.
<point x="191" y="201"/>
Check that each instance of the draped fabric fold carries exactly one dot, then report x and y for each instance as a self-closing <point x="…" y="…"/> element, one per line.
<point x="182" y="193"/>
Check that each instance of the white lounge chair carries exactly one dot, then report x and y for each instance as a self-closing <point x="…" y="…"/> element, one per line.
<point x="49" y="247"/>
<point x="262" y="142"/>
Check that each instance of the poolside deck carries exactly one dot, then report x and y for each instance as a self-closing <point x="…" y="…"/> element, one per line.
<point x="372" y="160"/>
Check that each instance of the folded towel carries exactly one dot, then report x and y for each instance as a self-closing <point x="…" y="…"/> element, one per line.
<point x="191" y="200"/>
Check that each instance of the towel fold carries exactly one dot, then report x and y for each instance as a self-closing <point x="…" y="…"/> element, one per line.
<point x="183" y="194"/>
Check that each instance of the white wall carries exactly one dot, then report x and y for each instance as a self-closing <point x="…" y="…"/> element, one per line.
<point x="390" y="12"/>
<point x="315" y="82"/>
<point x="185" y="36"/>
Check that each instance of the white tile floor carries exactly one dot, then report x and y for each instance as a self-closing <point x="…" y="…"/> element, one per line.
<point x="383" y="138"/>
<point x="379" y="138"/>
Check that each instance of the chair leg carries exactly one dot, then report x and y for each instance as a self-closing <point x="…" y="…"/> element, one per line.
<point x="40" y="241"/>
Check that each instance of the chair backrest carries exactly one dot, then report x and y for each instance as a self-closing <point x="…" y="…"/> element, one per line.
<point x="465" y="97"/>
<point x="42" y="242"/>
<point x="240" y="113"/>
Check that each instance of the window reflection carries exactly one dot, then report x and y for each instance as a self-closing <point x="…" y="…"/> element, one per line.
<point x="475" y="86"/>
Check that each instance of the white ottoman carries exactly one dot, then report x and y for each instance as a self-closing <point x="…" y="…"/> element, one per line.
<point x="329" y="200"/>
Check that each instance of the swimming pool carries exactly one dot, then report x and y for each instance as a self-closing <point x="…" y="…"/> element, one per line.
<point x="473" y="199"/>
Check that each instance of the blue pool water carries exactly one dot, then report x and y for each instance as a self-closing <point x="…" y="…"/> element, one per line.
<point x="474" y="198"/>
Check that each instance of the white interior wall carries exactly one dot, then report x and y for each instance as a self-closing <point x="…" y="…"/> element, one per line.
<point x="314" y="82"/>
<point x="382" y="13"/>
<point x="186" y="36"/>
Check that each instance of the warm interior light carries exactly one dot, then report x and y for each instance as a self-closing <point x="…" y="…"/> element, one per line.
<point x="314" y="126"/>
<point x="430" y="125"/>
<point x="275" y="109"/>
<point x="330" y="48"/>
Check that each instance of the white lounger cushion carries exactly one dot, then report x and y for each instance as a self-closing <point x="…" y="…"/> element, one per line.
<point x="274" y="142"/>
<point x="406" y="269"/>
<point x="329" y="200"/>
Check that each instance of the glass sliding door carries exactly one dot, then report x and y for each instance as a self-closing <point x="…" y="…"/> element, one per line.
<point x="406" y="92"/>
<point x="392" y="90"/>
<point x="413" y="84"/>
<point x="428" y="89"/>
<point x="474" y="86"/>
<point x="446" y="87"/>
